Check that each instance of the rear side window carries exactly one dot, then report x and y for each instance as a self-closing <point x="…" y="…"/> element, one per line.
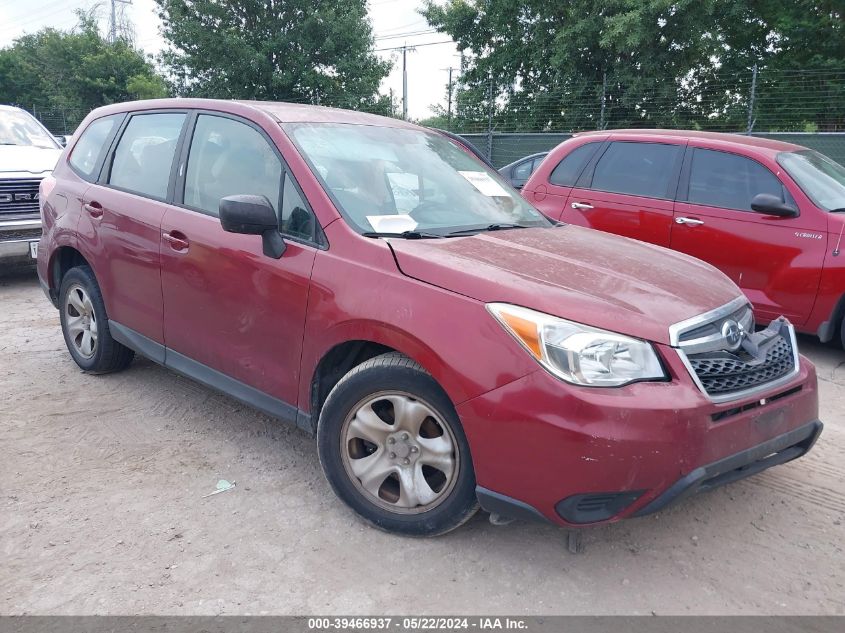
<point x="523" y="170"/>
<point x="637" y="169"/>
<point x="719" y="179"/>
<point x="144" y="155"/>
<point x="570" y="167"/>
<point x="229" y="158"/>
<point x="91" y="146"/>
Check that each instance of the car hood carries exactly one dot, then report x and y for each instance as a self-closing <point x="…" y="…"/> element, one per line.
<point x="594" y="278"/>
<point x="25" y="158"/>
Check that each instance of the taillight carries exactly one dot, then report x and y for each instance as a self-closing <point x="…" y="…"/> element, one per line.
<point x="44" y="190"/>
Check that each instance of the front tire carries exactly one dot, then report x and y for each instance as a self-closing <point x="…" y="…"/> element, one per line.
<point x="85" y="324"/>
<point x="842" y="333"/>
<point x="392" y="448"/>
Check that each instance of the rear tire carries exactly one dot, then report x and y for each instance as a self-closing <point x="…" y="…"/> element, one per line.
<point x="392" y="447"/>
<point x="85" y="324"/>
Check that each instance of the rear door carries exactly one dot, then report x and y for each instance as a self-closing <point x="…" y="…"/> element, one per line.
<point x="628" y="190"/>
<point x="120" y="224"/>
<point x="776" y="261"/>
<point x="227" y="306"/>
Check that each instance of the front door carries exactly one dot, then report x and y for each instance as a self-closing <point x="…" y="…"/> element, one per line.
<point x="227" y="306"/>
<point x="630" y="191"/>
<point x="776" y="261"/>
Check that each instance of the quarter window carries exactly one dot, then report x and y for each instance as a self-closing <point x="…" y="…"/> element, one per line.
<point x="144" y="156"/>
<point x="90" y="147"/>
<point x="229" y="158"/>
<point x="637" y="169"/>
<point x="719" y="179"/>
<point x="297" y="219"/>
<point x="570" y="167"/>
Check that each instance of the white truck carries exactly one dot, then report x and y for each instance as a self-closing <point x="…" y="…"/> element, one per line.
<point x="28" y="152"/>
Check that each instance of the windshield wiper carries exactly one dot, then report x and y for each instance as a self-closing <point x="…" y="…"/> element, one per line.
<point x="839" y="210"/>
<point x="408" y="235"/>
<point x="490" y="227"/>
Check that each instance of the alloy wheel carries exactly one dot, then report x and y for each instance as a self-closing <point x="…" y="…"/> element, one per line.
<point x="81" y="321"/>
<point x="399" y="452"/>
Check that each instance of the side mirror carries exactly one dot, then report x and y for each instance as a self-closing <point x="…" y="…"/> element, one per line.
<point x="768" y="204"/>
<point x="253" y="215"/>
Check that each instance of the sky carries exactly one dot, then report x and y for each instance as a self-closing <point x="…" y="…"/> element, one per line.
<point x="395" y="23"/>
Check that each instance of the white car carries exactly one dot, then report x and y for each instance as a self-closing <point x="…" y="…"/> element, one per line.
<point x="28" y="152"/>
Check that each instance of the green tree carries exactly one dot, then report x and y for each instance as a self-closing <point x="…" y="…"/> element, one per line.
<point x="679" y="63"/>
<point x="316" y="51"/>
<point x="75" y="71"/>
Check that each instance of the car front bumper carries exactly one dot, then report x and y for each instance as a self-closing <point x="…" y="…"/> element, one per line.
<point x="16" y="237"/>
<point x="577" y="456"/>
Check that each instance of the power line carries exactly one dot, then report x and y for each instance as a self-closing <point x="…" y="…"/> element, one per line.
<point x="399" y="48"/>
<point x="34" y="18"/>
<point x="408" y="34"/>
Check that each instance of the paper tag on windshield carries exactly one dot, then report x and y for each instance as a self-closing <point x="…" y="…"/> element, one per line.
<point x="484" y="183"/>
<point x="391" y="223"/>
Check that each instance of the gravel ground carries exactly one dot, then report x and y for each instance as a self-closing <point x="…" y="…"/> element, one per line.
<point x="102" y="512"/>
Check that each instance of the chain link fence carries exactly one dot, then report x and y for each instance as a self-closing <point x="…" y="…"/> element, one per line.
<point x="806" y="107"/>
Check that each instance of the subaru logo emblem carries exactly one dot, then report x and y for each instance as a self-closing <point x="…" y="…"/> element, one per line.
<point x="733" y="334"/>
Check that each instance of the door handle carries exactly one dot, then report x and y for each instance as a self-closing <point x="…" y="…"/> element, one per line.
<point x="690" y="221"/>
<point x="581" y="205"/>
<point x="94" y="209"/>
<point x="177" y="240"/>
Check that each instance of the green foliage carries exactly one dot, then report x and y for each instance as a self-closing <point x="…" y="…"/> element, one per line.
<point x="657" y="63"/>
<point x="76" y="70"/>
<point x="315" y="51"/>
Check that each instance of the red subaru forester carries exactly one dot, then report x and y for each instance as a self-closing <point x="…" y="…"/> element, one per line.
<point x="377" y="285"/>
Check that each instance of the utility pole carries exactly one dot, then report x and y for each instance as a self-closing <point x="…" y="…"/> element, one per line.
<point x="449" y="97"/>
<point x="603" y="99"/>
<point x="751" y="98"/>
<point x="113" y="20"/>
<point x="490" y="104"/>
<point x="405" y="81"/>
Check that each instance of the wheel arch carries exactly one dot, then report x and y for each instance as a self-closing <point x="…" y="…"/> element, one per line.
<point x="61" y="261"/>
<point x="828" y="329"/>
<point x="352" y="344"/>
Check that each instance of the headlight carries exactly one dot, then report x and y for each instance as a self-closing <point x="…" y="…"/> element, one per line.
<point x="578" y="353"/>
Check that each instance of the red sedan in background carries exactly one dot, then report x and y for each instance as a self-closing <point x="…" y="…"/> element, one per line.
<point x="768" y="214"/>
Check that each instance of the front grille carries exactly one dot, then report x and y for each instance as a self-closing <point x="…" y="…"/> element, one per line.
<point x="744" y="315"/>
<point x="19" y="195"/>
<point x="728" y="372"/>
<point x="728" y="358"/>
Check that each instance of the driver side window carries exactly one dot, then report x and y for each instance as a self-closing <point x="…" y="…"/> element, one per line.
<point x="228" y="158"/>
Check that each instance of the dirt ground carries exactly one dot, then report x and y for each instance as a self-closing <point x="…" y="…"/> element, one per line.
<point x="102" y="512"/>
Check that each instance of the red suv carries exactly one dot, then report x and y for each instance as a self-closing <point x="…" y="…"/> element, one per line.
<point x="770" y="215"/>
<point x="380" y="287"/>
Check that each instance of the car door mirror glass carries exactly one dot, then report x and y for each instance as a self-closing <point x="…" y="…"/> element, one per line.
<point x="253" y="215"/>
<point x="769" y="204"/>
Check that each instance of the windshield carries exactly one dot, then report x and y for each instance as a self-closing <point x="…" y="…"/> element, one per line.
<point x="392" y="180"/>
<point x="19" y="128"/>
<point x="821" y="178"/>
